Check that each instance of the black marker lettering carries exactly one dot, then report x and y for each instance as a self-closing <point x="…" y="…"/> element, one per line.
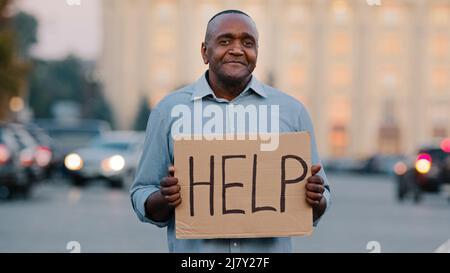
<point x="289" y="181"/>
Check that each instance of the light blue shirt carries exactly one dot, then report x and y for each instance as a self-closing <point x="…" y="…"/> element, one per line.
<point x="158" y="156"/>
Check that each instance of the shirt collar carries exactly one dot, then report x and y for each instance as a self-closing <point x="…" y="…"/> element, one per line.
<point x="202" y="88"/>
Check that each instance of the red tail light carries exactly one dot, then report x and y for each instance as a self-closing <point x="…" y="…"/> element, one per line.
<point x="43" y="156"/>
<point x="445" y="145"/>
<point x="5" y="155"/>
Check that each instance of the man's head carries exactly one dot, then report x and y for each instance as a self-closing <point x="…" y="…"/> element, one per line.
<point x="231" y="46"/>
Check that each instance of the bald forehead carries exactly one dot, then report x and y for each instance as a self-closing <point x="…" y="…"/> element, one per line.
<point x="229" y="22"/>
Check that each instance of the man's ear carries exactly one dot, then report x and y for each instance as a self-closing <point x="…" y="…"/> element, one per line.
<point x="203" y="51"/>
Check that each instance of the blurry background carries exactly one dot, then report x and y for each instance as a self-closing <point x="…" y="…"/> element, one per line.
<point x="78" y="79"/>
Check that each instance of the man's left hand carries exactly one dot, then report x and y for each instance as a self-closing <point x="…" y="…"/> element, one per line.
<point x="314" y="186"/>
<point x="314" y="192"/>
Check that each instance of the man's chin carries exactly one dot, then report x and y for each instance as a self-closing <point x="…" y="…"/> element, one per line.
<point x="234" y="78"/>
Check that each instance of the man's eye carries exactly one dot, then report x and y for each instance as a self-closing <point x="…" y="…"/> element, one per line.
<point x="248" y="43"/>
<point x="224" y="42"/>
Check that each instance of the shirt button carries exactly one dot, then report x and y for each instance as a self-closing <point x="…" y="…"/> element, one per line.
<point x="235" y="244"/>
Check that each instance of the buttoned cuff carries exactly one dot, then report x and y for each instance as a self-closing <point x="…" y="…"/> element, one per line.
<point x="139" y="197"/>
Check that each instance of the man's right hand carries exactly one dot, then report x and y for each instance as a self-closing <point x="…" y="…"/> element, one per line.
<point x="170" y="188"/>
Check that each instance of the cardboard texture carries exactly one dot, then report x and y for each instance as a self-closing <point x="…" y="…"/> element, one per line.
<point x="251" y="203"/>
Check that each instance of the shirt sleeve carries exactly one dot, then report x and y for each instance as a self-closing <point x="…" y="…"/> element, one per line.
<point x="308" y="126"/>
<point x="153" y="165"/>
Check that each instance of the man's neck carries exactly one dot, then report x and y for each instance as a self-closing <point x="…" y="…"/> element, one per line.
<point x="226" y="90"/>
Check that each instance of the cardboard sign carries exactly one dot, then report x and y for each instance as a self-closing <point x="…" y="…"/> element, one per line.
<point x="231" y="189"/>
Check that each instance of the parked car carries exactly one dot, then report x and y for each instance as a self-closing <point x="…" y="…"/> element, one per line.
<point x="45" y="149"/>
<point x="13" y="176"/>
<point x="113" y="156"/>
<point x="30" y="152"/>
<point x="428" y="171"/>
<point x="341" y="164"/>
<point x="69" y="136"/>
<point x="380" y="164"/>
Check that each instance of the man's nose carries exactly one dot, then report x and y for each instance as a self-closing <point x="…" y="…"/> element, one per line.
<point x="236" y="49"/>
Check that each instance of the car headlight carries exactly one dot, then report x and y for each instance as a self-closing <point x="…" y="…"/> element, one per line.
<point x="114" y="163"/>
<point x="423" y="163"/>
<point x="73" y="162"/>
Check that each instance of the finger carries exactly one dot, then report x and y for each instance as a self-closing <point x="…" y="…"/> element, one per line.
<point x="172" y="198"/>
<point x="170" y="190"/>
<point x="315" y="180"/>
<point x="315" y="188"/>
<point x="175" y="203"/>
<point x="312" y="202"/>
<point x="169" y="181"/>
<point x="314" y="195"/>
<point x="315" y="169"/>
<point x="171" y="171"/>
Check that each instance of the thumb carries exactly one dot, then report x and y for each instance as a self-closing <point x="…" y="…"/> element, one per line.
<point x="315" y="169"/>
<point x="171" y="171"/>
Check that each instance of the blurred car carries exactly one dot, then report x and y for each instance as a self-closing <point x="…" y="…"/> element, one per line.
<point x="30" y="153"/>
<point x="428" y="171"/>
<point x="380" y="164"/>
<point x="13" y="176"/>
<point x="70" y="135"/>
<point x="341" y="164"/>
<point x="45" y="148"/>
<point x="114" y="156"/>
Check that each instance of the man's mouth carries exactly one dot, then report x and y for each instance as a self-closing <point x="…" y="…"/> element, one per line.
<point x="235" y="62"/>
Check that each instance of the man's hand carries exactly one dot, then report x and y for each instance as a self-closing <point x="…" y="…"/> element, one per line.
<point x="314" y="192"/>
<point x="170" y="188"/>
<point x="159" y="205"/>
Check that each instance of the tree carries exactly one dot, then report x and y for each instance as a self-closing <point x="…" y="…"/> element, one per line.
<point x="96" y="105"/>
<point x="140" y="123"/>
<point x="13" y="70"/>
<point x="67" y="80"/>
<point x="25" y="26"/>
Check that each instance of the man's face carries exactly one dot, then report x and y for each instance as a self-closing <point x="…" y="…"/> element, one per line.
<point x="231" y="48"/>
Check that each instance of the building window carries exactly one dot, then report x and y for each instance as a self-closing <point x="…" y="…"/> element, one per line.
<point x="390" y="45"/>
<point x="164" y="11"/>
<point x="165" y="42"/>
<point x="440" y="46"/>
<point x="439" y="132"/>
<point x="340" y="76"/>
<point x="439" y="77"/>
<point x="341" y="11"/>
<point x="338" y="140"/>
<point x="340" y="44"/>
<point x="297" y="76"/>
<point x="440" y="14"/>
<point x="296" y="42"/>
<point x="389" y="139"/>
<point x="390" y="15"/>
<point x="296" y="15"/>
<point x="388" y="77"/>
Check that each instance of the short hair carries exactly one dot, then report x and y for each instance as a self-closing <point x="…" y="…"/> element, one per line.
<point x="228" y="11"/>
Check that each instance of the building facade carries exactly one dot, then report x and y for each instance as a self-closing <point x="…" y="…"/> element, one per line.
<point x="376" y="79"/>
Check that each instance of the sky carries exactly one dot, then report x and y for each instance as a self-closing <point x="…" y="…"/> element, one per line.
<point x="65" y="27"/>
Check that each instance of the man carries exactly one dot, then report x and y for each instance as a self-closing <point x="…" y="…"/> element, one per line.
<point x="230" y="49"/>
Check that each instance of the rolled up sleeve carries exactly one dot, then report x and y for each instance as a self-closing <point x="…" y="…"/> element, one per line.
<point x="152" y="166"/>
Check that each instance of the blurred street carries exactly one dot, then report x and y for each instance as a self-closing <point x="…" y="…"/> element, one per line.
<point x="101" y="220"/>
